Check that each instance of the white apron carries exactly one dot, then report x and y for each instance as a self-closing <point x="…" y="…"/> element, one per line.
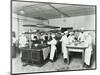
<point x="88" y="50"/>
<point x="64" y="41"/>
<point x="53" y="48"/>
<point x="64" y="51"/>
<point x="52" y="52"/>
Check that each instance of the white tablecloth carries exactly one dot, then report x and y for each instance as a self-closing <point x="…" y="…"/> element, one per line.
<point x="46" y="51"/>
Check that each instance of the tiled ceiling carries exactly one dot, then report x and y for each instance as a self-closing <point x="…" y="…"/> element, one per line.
<point x="45" y="11"/>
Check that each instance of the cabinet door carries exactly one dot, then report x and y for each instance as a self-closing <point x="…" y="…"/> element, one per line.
<point x="36" y="55"/>
<point x="26" y="54"/>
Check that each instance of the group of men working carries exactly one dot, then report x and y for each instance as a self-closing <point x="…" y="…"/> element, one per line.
<point x="66" y="38"/>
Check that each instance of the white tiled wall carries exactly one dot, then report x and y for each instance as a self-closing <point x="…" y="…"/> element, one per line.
<point x="87" y="22"/>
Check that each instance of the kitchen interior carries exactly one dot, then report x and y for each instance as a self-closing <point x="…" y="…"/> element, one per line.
<point x="40" y="20"/>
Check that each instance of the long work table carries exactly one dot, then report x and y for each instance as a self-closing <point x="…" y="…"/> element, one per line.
<point x="77" y="48"/>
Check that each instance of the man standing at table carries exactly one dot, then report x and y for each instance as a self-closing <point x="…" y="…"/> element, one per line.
<point x="53" y="43"/>
<point x="22" y="43"/>
<point x="88" y="51"/>
<point x="64" y="41"/>
<point x="81" y="37"/>
<point x="71" y="37"/>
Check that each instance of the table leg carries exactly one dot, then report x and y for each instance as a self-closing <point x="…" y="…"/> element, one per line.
<point x="68" y="56"/>
<point x="83" y="53"/>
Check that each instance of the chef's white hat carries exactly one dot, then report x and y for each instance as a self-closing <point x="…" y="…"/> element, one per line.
<point x="71" y="33"/>
<point x="52" y="35"/>
<point x="66" y="32"/>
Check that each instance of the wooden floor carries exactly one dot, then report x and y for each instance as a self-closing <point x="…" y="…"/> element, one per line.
<point x="58" y="65"/>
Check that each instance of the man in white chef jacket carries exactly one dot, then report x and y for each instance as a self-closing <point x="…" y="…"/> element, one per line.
<point x="71" y="37"/>
<point x="81" y="37"/>
<point x="88" y="42"/>
<point x="53" y="43"/>
<point x="22" y="41"/>
<point x="65" y="41"/>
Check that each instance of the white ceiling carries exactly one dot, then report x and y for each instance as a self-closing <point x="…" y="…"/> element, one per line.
<point x="50" y="11"/>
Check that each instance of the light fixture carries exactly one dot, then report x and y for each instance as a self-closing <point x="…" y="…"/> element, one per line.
<point x="22" y="12"/>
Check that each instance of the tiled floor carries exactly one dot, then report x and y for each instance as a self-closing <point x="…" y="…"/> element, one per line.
<point x="59" y="65"/>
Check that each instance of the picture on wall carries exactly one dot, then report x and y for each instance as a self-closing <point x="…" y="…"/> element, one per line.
<point x="52" y="37"/>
